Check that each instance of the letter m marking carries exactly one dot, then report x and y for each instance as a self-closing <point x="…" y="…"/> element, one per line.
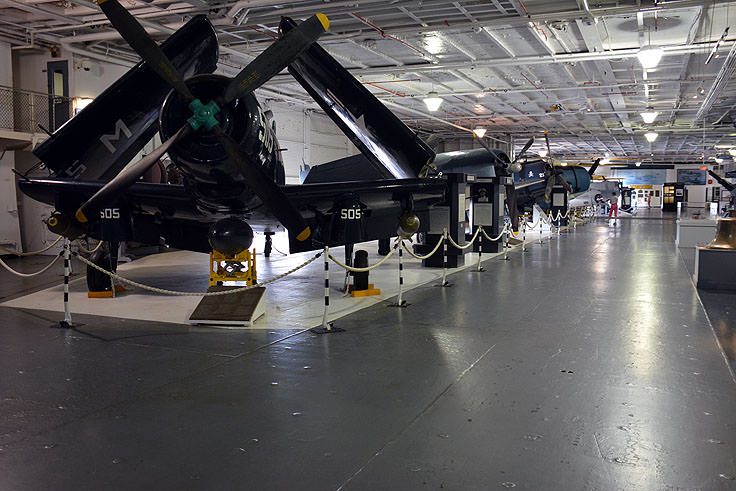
<point x="107" y="139"/>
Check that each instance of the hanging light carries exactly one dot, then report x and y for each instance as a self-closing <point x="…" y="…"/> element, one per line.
<point x="649" y="56"/>
<point x="638" y="163"/>
<point x="432" y="101"/>
<point x="651" y="136"/>
<point x="479" y="132"/>
<point x="542" y="153"/>
<point x="649" y="115"/>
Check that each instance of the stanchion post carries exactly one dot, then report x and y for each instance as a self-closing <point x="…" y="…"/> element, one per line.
<point x="506" y="242"/>
<point x="444" y="282"/>
<point x="400" y="300"/>
<point x="523" y="236"/>
<point x="67" y="322"/>
<point x="480" y="249"/>
<point x="327" y="327"/>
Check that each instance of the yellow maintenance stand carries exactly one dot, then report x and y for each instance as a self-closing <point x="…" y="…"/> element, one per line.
<point x="240" y="267"/>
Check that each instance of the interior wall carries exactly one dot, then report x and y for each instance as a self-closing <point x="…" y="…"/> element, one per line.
<point x="307" y="137"/>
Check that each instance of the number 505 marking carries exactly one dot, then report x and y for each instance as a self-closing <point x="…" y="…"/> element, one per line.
<point x="110" y="213"/>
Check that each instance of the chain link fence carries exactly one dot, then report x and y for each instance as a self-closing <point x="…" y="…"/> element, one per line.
<point x="24" y="110"/>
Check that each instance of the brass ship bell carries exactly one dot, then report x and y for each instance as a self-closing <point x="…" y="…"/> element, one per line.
<point x="725" y="233"/>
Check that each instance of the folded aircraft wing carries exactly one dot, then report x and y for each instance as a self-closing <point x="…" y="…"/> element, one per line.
<point x="394" y="150"/>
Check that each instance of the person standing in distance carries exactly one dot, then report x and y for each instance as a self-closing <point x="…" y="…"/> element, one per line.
<point x="613" y="210"/>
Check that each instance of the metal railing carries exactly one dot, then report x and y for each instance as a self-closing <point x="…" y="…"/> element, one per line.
<point x="24" y="110"/>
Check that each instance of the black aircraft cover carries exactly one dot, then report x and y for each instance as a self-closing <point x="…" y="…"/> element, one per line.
<point x="391" y="147"/>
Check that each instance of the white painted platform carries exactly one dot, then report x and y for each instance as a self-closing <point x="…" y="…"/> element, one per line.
<point x="296" y="301"/>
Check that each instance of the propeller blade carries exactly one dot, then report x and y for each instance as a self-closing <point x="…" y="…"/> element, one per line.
<point x="594" y="167"/>
<point x="546" y="140"/>
<point x="512" y="205"/>
<point x="141" y="42"/>
<point x="110" y="191"/>
<point x="266" y="188"/>
<point x="276" y="57"/>
<point x="548" y="187"/>
<point x="524" y="149"/>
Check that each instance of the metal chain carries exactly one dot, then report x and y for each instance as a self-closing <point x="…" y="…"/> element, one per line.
<point x="190" y="294"/>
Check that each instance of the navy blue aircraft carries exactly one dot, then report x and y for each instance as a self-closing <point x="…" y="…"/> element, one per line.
<point x="225" y="148"/>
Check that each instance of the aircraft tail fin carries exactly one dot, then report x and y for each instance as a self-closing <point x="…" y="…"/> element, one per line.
<point x="104" y="136"/>
<point x="390" y="146"/>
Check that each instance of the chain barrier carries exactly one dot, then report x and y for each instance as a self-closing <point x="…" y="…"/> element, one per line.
<point x="34" y="253"/>
<point x="116" y="276"/>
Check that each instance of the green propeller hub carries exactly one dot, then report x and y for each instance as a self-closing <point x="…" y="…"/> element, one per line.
<point x="203" y="114"/>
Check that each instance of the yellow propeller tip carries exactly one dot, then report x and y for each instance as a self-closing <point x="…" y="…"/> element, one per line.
<point x="324" y="21"/>
<point x="80" y="216"/>
<point x="304" y="235"/>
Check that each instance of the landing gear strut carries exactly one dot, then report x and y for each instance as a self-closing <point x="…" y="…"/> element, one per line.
<point x="105" y="257"/>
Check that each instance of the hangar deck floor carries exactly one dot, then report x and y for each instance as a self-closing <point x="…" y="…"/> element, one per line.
<point x="587" y="363"/>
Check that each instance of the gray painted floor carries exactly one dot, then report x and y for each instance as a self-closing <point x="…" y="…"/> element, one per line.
<point x="586" y="363"/>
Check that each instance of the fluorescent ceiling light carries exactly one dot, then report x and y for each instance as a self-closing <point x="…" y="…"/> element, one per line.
<point x="563" y="163"/>
<point x="651" y="136"/>
<point x="649" y="56"/>
<point x="479" y="132"/>
<point x="542" y="153"/>
<point x="649" y="115"/>
<point x="432" y="101"/>
<point x="724" y="146"/>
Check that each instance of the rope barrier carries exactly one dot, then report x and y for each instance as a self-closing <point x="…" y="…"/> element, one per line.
<point x="363" y="270"/>
<point x="9" y="251"/>
<point x="422" y="258"/>
<point x="191" y="294"/>
<point x="87" y="251"/>
<point x="462" y="248"/>
<point x="29" y="275"/>
<point x="497" y="238"/>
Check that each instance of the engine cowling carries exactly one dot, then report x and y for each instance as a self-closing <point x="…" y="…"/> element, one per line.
<point x="214" y="180"/>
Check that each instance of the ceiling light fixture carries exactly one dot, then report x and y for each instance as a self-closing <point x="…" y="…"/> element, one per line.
<point x="649" y="56"/>
<point x="718" y="160"/>
<point x="651" y="136"/>
<point x="649" y="115"/>
<point x="432" y="101"/>
<point x="542" y="153"/>
<point x="479" y="132"/>
<point x="638" y="163"/>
